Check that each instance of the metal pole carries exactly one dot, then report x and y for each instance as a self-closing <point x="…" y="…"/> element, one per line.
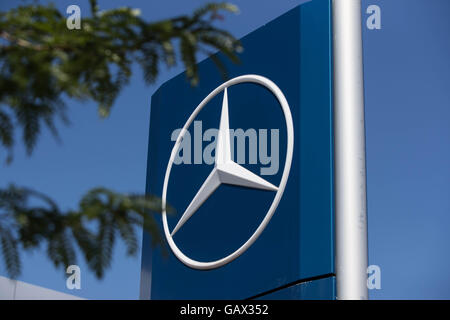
<point x="349" y="142"/>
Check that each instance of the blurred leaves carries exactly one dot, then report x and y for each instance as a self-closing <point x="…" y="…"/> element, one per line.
<point x="30" y="219"/>
<point x="41" y="60"/>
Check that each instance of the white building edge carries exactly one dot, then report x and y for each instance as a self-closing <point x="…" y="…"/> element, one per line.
<point x="19" y="290"/>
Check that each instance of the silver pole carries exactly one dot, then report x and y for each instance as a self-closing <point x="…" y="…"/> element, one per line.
<point x="350" y="163"/>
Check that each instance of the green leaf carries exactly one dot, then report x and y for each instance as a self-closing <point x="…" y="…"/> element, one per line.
<point x="41" y="61"/>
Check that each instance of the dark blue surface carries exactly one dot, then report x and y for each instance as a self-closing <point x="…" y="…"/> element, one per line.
<point x="298" y="242"/>
<point x="321" y="289"/>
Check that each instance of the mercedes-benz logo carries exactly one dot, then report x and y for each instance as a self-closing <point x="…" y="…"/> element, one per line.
<point x="226" y="171"/>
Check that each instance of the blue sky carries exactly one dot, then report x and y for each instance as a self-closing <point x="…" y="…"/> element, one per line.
<point x="407" y="91"/>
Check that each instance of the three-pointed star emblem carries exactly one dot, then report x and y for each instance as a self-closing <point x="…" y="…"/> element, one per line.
<point x="225" y="170"/>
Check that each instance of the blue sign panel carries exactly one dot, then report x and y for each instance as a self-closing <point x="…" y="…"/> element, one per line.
<point x="293" y="52"/>
<point x="319" y="289"/>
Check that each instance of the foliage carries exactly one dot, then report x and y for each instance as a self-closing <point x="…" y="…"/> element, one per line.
<point x="42" y="59"/>
<point x="102" y="216"/>
<point x="42" y="62"/>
